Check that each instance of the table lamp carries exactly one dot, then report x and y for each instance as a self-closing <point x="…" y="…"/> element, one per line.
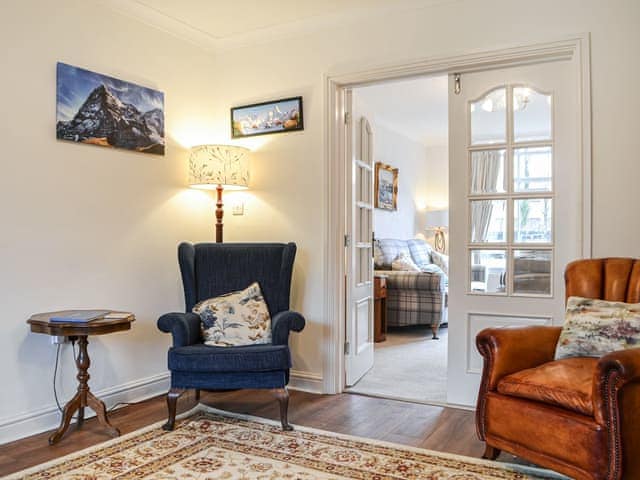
<point x="219" y="167"/>
<point x="438" y="221"/>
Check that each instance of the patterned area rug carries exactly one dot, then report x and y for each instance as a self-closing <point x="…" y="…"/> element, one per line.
<point x="210" y="444"/>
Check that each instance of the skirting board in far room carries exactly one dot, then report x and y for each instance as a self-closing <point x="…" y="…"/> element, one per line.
<point x="48" y="418"/>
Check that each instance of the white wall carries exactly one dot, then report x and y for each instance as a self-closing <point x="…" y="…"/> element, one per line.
<point x="437" y="187"/>
<point x="83" y="226"/>
<point x="409" y="157"/>
<point x="295" y="66"/>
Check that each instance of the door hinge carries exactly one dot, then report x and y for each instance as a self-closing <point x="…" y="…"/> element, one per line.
<point x="456" y="84"/>
<point x="347" y="348"/>
<point x="347" y="240"/>
<point x="347" y="118"/>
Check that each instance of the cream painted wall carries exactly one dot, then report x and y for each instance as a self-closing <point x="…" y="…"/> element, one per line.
<point x="437" y="187"/>
<point x="409" y="157"/>
<point x="295" y="163"/>
<point x="84" y="226"/>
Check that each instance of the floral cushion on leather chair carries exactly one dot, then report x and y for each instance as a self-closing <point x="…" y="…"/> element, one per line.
<point x="594" y="328"/>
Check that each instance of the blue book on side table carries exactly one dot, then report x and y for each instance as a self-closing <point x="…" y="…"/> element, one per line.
<point x="80" y="316"/>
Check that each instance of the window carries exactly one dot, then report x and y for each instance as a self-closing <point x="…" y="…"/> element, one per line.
<point x="511" y="192"/>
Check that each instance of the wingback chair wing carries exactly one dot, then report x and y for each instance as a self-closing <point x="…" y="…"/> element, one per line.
<point x="578" y="416"/>
<point x="212" y="269"/>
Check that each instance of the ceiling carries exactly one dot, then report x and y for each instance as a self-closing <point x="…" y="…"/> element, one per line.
<point x="214" y="24"/>
<point x="416" y="108"/>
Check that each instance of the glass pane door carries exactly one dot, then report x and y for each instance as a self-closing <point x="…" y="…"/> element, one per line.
<point x="511" y="191"/>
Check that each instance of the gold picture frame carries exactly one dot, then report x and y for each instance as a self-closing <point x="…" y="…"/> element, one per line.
<point x="386" y="187"/>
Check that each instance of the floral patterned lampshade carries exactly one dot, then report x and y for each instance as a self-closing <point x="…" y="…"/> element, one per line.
<point x="224" y="165"/>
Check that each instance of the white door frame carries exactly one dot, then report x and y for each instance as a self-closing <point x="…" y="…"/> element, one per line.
<point x="577" y="46"/>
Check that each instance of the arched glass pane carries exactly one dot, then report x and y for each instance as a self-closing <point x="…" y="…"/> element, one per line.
<point x="489" y="118"/>
<point x="531" y="115"/>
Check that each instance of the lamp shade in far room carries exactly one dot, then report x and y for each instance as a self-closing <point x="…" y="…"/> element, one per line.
<point x="437" y="219"/>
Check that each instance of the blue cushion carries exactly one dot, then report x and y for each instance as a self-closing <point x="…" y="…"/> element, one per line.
<point x="229" y="380"/>
<point x="249" y="358"/>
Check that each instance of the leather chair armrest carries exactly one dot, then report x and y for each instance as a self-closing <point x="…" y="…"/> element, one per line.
<point x="512" y="349"/>
<point x="614" y="372"/>
<point x="508" y="350"/>
<point x="284" y="322"/>
<point x="184" y="327"/>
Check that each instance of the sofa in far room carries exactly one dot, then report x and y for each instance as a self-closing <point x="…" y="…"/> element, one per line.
<point x="416" y="278"/>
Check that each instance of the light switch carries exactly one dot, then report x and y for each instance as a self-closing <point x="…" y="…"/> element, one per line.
<point x="238" y="208"/>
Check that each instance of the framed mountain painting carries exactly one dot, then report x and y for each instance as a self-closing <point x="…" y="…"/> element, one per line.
<point x="100" y="110"/>
<point x="275" y="116"/>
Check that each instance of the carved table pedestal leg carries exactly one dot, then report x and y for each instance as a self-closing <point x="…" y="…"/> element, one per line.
<point x="83" y="398"/>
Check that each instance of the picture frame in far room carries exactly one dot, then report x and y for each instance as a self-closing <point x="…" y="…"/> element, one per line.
<point x="275" y="116"/>
<point x="386" y="187"/>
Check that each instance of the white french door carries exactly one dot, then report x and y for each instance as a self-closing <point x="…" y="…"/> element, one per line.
<point x="358" y="242"/>
<point x="515" y="214"/>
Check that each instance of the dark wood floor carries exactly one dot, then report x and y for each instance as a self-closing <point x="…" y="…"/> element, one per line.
<point x="436" y="428"/>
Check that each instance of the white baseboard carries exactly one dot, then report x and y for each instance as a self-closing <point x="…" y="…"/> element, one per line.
<point x="306" y="381"/>
<point x="48" y="418"/>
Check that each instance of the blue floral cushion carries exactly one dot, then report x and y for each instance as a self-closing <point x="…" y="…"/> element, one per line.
<point x="237" y="318"/>
<point x="594" y="328"/>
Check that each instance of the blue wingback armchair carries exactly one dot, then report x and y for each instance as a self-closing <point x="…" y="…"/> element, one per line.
<point x="213" y="269"/>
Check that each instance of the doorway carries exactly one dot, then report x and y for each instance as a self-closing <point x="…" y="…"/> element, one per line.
<point x="400" y="130"/>
<point x="463" y="369"/>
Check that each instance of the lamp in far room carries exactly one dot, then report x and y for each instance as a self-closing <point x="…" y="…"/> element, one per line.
<point x="437" y="222"/>
<point x="219" y="168"/>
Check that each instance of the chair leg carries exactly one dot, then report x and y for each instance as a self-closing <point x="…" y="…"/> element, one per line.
<point x="197" y="394"/>
<point x="282" y="394"/>
<point x="491" y="453"/>
<point x="434" y="329"/>
<point x="172" y="403"/>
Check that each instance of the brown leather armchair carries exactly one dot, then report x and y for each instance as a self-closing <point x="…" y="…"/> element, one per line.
<point x="578" y="416"/>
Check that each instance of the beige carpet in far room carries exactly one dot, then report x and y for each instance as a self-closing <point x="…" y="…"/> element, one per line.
<point x="409" y="365"/>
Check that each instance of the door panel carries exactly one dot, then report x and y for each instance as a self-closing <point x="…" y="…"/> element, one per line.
<point x="359" y="318"/>
<point x="515" y="205"/>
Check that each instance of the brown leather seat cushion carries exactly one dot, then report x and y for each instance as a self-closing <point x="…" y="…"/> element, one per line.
<point x="567" y="383"/>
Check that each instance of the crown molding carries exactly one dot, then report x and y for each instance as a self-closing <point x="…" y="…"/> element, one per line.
<point x="153" y="17"/>
<point x="161" y="21"/>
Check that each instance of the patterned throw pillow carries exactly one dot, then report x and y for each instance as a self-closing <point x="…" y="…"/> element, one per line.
<point x="237" y="318"/>
<point x="403" y="262"/>
<point x="387" y="251"/>
<point x="420" y="252"/>
<point x="594" y="328"/>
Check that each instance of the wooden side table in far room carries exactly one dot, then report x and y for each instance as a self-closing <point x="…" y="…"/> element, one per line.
<point x="119" y="321"/>
<point x="380" y="308"/>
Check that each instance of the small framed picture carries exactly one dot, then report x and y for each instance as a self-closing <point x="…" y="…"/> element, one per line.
<point x="386" y="187"/>
<point x="276" y="116"/>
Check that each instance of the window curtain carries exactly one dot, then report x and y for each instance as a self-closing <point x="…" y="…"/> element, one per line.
<point x="486" y="168"/>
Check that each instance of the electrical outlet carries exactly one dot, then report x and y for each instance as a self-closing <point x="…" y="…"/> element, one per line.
<point x="59" y="340"/>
